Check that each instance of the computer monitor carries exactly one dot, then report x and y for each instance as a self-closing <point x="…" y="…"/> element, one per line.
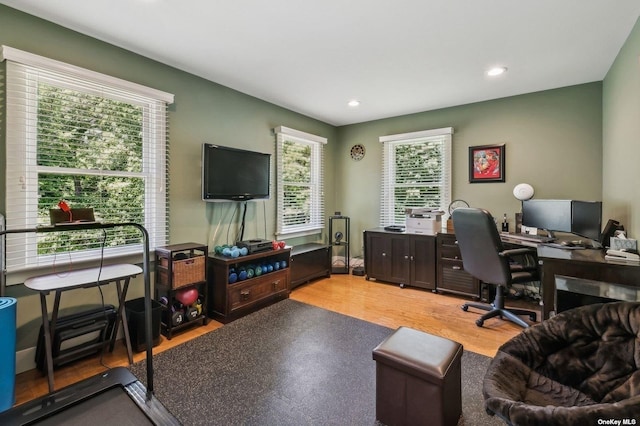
<point x="550" y="215"/>
<point x="586" y="219"/>
<point x="583" y="218"/>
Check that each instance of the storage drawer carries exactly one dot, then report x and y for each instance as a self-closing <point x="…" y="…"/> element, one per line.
<point x="248" y="292"/>
<point x="449" y="252"/>
<point x="456" y="280"/>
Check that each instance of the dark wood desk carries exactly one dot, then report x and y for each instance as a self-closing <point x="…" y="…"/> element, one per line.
<point x="587" y="264"/>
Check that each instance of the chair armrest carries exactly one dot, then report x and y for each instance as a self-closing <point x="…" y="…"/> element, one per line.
<point x="517" y="251"/>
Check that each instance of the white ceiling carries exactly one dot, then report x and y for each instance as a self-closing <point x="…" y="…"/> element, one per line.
<point x="396" y="57"/>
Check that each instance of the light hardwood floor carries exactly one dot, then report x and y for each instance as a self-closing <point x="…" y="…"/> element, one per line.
<point x="380" y="303"/>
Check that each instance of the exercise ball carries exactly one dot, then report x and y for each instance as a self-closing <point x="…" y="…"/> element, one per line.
<point x="187" y="296"/>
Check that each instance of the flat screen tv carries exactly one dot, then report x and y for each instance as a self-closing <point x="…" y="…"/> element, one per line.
<point x="231" y="174"/>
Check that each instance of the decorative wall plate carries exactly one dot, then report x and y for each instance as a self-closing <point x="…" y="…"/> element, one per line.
<point x="357" y="152"/>
<point x="523" y="191"/>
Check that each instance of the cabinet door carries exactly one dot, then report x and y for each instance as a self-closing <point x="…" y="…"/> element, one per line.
<point x="378" y="256"/>
<point x="400" y="262"/>
<point x="423" y="262"/>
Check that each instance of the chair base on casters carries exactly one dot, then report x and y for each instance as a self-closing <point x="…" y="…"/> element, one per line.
<point x="497" y="309"/>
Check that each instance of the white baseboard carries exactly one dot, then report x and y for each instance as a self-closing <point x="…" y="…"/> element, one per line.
<point x="25" y="360"/>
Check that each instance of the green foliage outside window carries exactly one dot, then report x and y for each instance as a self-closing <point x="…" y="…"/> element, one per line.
<point x="297" y="182"/>
<point x="418" y="171"/>
<point x="80" y="137"/>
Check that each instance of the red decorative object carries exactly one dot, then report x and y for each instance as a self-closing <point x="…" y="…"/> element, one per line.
<point x="486" y="163"/>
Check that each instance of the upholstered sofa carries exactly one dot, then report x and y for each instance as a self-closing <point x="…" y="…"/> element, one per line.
<point x="580" y="367"/>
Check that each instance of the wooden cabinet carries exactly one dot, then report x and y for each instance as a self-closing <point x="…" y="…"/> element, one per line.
<point x="452" y="277"/>
<point x="235" y="293"/>
<point x="181" y="268"/>
<point x="403" y="258"/>
<point x="309" y="261"/>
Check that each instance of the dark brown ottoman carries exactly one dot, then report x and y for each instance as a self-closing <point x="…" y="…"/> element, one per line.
<point x="417" y="379"/>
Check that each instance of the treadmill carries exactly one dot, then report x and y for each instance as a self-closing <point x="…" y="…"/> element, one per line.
<point x="113" y="397"/>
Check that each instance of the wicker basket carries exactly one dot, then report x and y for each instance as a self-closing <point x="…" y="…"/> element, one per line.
<point x="188" y="271"/>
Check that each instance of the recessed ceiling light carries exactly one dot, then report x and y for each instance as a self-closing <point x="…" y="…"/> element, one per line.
<point x="353" y="103"/>
<point x="496" y="71"/>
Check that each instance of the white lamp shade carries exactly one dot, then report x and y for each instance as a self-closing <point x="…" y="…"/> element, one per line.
<point x="523" y="191"/>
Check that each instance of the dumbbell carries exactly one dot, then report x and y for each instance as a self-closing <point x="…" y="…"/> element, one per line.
<point x="198" y="306"/>
<point x="191" y="313"/>
<point x="177" y="315"/>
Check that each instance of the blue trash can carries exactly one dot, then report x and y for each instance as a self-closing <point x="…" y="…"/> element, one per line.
<point x="7" y="352"/>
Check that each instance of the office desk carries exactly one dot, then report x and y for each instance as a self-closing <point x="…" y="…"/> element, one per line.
<point x="587" y="264"/>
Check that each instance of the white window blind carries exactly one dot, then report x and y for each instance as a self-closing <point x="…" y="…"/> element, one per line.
<point x="300" y="182"/>
<point x="416" y="172"/>
<point x="93" y="140"/>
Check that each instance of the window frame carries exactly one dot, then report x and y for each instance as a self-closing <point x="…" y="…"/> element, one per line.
<point x="390" y="143"/>
<point x="23" y="72"/>
<point x="316" y="183"/>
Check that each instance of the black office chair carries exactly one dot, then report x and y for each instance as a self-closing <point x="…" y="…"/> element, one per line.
<point x="484" y="257"/>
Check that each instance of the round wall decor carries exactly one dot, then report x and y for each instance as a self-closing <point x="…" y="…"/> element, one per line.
<point x="357" y="152"/>
<point x="523" y="191"/>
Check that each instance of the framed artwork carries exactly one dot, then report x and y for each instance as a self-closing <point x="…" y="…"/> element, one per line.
<point x="486" y="163"/>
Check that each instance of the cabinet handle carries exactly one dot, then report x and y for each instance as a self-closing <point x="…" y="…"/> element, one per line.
<point x="411" y="258"/>
<point x="275" y="285"/>
<point x="406" y="257"/>
<point x="456" y="268"/>
<point x="244" y="295"/>
<point x="456" y="257"/>
<point x="384" y="254"/>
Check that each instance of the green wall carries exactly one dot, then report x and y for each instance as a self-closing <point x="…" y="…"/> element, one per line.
<point x="203" y="112"/>
<point x="553" y="142"/>
<point x="621" y="136"/>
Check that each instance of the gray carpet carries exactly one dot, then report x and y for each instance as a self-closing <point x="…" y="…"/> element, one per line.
<point x="287" y="364"/>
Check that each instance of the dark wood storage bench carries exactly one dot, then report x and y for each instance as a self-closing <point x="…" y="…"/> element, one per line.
<point x="309" y="261"/>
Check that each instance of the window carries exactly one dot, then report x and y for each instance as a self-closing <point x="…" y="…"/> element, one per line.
<point x="300" y="182"/>
<point x="416" y="172"/>
<point x="90" y="139"/>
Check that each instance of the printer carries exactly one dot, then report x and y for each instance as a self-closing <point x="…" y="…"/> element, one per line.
<point x="423" y="220"/>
